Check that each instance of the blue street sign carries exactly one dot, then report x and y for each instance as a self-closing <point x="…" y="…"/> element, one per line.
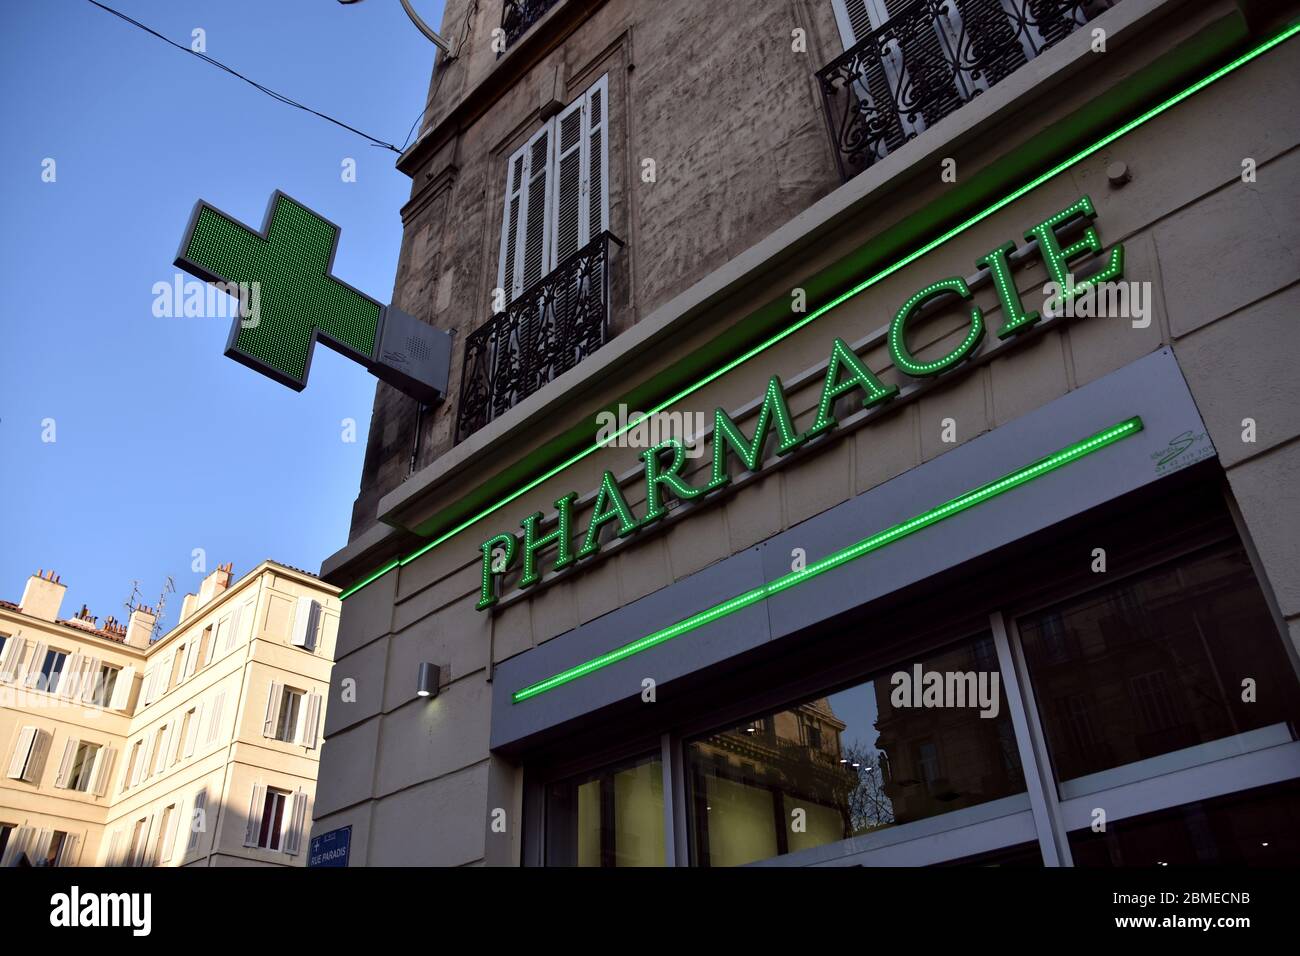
<point x="331" y="849"/>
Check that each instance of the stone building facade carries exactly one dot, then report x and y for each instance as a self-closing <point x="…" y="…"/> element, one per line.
<point x="872" y="216"/>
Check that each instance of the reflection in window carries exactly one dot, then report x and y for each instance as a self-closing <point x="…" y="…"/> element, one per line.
<point x="879" y="758"/>
<point x="611" y="817"/>
<point x="1157" y="663"/>
<point x="1255" y="827"/>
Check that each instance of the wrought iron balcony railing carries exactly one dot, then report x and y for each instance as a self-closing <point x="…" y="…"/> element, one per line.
<point x="518" y="15"/>
<point x="543" y="333"/>
<point x="929" y="59"/>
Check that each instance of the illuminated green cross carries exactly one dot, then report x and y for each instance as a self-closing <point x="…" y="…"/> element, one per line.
<point x="284" y="275"/>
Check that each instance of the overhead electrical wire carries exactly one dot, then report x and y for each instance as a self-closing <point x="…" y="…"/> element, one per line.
<point x="251" y="82"/>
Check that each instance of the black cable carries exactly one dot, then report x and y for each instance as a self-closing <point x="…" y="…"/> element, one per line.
<point x="470" y="8"/>
<point x="253" y="83"/>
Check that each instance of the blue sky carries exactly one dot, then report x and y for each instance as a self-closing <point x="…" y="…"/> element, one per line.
<point x="162" y="445"/>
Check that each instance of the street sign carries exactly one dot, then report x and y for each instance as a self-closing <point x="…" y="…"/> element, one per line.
<point x="331" y="849"/>
<point x="296" y="300"/>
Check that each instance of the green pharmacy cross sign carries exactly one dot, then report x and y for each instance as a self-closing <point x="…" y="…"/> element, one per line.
<point x="289" y="299"/>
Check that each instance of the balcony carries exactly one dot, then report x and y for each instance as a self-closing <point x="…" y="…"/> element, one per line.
<point x="518" y="15"/>
<point x="546" y="331"/>
<point x="928" y="60"/>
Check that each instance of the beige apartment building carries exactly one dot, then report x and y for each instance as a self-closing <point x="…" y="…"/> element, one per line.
<point x="986" y="310"/>
<point x="199" y="748"/>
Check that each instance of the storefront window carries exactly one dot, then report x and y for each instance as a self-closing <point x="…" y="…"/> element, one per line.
<point x="1177" y="657"/>
<point x="922" y="739"/>
<point x="1254" y="828"/>
<point x="611" y="817"/>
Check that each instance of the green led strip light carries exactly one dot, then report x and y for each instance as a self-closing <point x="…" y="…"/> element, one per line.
<point x="993" y="489"/>
<point x="907" y="260"/>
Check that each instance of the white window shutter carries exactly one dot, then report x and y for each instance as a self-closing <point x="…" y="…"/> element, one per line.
<point x="36" y="762"/>
<point x="528" y="205"/>
<point x="568" y="222"/>
<point x="70" y="676"/>
<point x="236" y="625"/>
<point x="172" y="824"/>
<point x="311" y="721"/>
<point x="40" y="846"/>
<point x="163" y="683"/>
<point x="192" y="656"/>
<point x="187" y="746"/>
<point x="12" y="658"/>
<point x="513" y="204"/>
<point x="19" y="842"/>
<point x="33" y="673"/>
<point x="22" y="748"/>
<point x="304" y="624"/>
<point x="89" y="679"/>
<point x="214" y="718"/>
<point x="255" y="807"/>
<point x="198" y="820"/>
<point x="218" y="638"/>
<point x="122" y="689"/>
<point x="596" y="130"/>
<point x="272" y="709"/>
<point x="292" y="842"/>
<point x="70" y="851"/>
<point x="65" y="765"/>
<point x="141" y="759"/>
<point x="164" y="746"/>
<point x="150" y="857"/>
<point x="146" y="689"/>
<point x="103" y="770"/>
<point x="855" y="19"/>
<point x="114" y="849"/>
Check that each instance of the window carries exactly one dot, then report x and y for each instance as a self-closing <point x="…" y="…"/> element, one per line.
<point x="53" y="849"/>
<point x="177" y="665"/>
<point x="1156" y="664"/>
<point x="6" y="830"/>
<point x="286" y="727"/>
<point x="105" y="684"/>
<point x="52" y="670"/>
<point x="185" y="738"/>
<point x="205" y="648"/>
<point x="156" y="752"/>
<point x="28" y="757"/>
<point x="268" y="836"/>
<point x="557" y="192"/>
<point x="82" y="769"/>
<point x="139" y="834"/>
<point x="612" y="817"/>
<point x="920" y="740"/>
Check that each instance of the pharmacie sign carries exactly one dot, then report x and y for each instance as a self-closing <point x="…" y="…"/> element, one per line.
<point x="846" y="376"/>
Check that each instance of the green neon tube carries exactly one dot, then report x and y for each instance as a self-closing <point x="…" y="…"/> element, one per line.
<point x="907" y="260"/>
<point x="875" y="542"/>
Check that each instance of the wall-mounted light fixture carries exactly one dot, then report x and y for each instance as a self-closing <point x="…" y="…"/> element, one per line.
<point x="426" y="684"/>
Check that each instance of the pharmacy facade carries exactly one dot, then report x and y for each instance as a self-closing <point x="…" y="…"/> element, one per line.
<point x="962" y="528"/>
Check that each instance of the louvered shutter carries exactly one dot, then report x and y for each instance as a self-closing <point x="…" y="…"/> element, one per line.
<point x="292" y="842"/>
<point x="255" y="807"/>
<point x="150" y="857"/>
<point x="171" y="823"/>
<point x="65" y="765"/>
<point x="19" y="842"/>
<point x="214" y="718"/>
<point x="114" y="849"/>
<point x="12" y="658"/>
<point x="236" y="625"/>
<point x="193" y="734"/>
<point x="70" y="676"/>
<point x="22" y="750"/>
<point x="581" y="200"/>
<point x="142" y="758"/>
<point x="272" y="709"/>
<point x="34" y="666"/>
<point x="191" y="658"/>
<point x="310" y="721"/>
<point x="122" y="689"/>
<point x="146" y="689"/>
<point x="198" y="820"/>
<point x="90" y="680"/>
<point x="40" y="846"/>
<point x="36" y="761"/>
<point x="70" y="850"/>
<point x="164" y="747"/>
<point x="304" y="624"/>
<point x="164" y="679"/>
<point x="103" y="770"/>
<point x="526" y="218"/>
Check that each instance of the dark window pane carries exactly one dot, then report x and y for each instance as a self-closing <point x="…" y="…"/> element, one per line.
<point x="1255" y="827"/>
<point x="909" y="745"/>
<point x="611" y="817"/>
<point x="1156" y="663"/>
<point x="1026" y="854"/>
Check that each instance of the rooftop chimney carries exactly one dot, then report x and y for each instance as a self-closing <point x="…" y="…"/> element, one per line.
<point x="43" y="595"/>
<point x="139" y="628"/>
<point x="214" y="584"/>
